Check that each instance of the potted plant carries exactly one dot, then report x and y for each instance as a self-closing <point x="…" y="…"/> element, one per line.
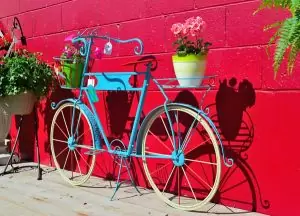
<point x="24" y="78"/>
<point x="287" y="35"/>
<point x="189" y="62"/>
<point x="5" y="42"/>
<point x="72" y="63"/>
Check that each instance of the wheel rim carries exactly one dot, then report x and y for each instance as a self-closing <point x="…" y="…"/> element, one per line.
<point x="69" y="146"/>
<point x="181" y="181"/>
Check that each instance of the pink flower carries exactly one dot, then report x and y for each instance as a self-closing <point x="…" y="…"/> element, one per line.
<point x="198" y="25"/>
<point x="190" y="22"/>
<point x="98" y="53"/>
<point x="70" y="37"/>
<point x="185" y="29"/>
<point x="188" y="26"/>
<point x="177" y="28"/>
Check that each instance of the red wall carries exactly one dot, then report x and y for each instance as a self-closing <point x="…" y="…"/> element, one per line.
<point x="269" y="168"/>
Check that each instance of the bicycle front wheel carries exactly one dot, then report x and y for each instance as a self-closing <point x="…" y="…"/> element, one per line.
<point x="69" y="145"/>
<point x="178" y="172"/>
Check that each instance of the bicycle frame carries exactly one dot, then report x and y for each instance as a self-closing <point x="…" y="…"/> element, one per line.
<point x="108" y="81"/>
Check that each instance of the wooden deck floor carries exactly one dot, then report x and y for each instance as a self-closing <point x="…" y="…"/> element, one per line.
<point x="21" y="194"/>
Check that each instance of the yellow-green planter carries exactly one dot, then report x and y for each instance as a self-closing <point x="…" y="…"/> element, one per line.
<point x="189" y="69"/>
<point x="73" y="73"/>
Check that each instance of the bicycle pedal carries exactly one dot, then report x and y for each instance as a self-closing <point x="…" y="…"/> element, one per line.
<point x="93" y="152"/>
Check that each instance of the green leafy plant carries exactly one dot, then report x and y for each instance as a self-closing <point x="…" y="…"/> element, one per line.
<point x="24" y="71"/>
<point x="287" y="36"/>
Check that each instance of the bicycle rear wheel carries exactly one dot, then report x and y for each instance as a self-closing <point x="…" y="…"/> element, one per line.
<point x="68" y="150"/>
<point x="189" y="179"/>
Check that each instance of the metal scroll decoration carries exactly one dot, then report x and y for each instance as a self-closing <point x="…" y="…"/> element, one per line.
<point x="87" y="37"/>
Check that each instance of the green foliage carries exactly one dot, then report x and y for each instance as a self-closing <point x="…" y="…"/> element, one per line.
<point x="274" y="4"/>
<point x="185" y="46"/>
<point x="23" y="71"/>
<point x="287" y="35"/>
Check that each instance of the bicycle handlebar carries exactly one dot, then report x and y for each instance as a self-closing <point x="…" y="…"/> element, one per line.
<point x="138" y="50"/>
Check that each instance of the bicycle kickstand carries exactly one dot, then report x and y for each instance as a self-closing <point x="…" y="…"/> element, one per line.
<point x="119" y="183"/>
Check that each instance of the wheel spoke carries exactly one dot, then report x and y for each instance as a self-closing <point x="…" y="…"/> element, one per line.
<point x="62" y="141"/>
<point x="169" y="179"/>
<point x="62" y="151"/>
<point x="178" y="129"/>
<point x="61" y="130"/>
<point x="204" y="172"/>
<point x="77" y="163"/>
<point x="167" y="130"/>
<point x="189" y="183"/>
<point x="82" y="134"/>
<point x="200" y="161"/>
<point x="163" y="156"/>
<point x="76" y="130"/>
<point x="160" y="168"/>
<point x="72" y="164"/>
<point x="83" y="158"/>
<point x="160" y="141"/>
<point x="187" y="136"/>
<point x="178" y="185"/>
<point x="66" y="159"/>
<point x="198" y="176"/>
<point x="197" y="146"/>
<point x="65" y="122"/>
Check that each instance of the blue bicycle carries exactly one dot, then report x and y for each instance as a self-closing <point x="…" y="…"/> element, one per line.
<point x="175" y="140"/>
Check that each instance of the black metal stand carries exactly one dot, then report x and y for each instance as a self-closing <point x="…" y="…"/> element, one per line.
<point x="10" y="162"/>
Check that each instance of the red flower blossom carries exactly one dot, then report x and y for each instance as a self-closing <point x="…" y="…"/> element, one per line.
<point x="2" y="53"/>
<point x="7" y="38"/>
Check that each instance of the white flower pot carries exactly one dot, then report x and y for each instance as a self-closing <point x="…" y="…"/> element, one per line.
<point x="5" y="121"/>
<point x="21" y="104"/>
<point x="189" y="70"/>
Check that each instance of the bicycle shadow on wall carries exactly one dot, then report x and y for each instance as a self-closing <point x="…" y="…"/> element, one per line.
<point x="239" y="188"/>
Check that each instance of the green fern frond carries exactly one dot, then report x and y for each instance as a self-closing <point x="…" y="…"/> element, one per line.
<point x="292" y="58"/>
<point x="288" y="33"/>
<point x="271" y="41"/>
<point x="295" y="46"/>
<point x="283" y="43"/>
<point x="274" y="4"/>
<point x="273" y="25"/>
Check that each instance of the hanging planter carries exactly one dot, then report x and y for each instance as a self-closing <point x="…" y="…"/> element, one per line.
<point x="190" y="60"/>
<point x="71" y="63"/>
<point x="73" y="73"/>
<point x="20" y="104"/>
<point x="5" y="121"/>
<point x="24" y="79"/>
<point x="189" y="69"/>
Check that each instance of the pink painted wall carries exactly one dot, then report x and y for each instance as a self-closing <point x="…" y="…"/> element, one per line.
<point x="267" y="170"/>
